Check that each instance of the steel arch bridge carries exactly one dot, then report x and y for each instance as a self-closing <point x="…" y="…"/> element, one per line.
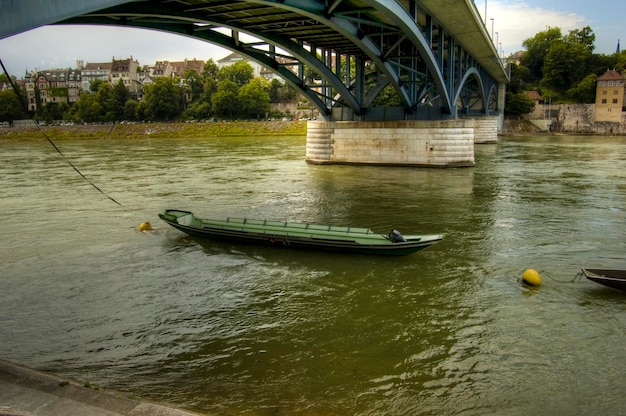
<point x="434" y="57"/>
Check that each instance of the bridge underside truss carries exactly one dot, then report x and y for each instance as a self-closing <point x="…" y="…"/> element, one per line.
<point x="340" y="54"/>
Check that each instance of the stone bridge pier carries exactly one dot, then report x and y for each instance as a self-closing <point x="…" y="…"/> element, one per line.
<point x="428" y="143"/>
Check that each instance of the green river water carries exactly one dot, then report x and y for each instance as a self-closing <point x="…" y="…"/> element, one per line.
<point x="228" y="329"/>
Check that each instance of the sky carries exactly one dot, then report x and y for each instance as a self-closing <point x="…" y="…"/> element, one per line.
<point x="514" y="21"/>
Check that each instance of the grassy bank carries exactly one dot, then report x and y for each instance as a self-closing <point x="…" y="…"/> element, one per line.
<point x="173" y="130"/>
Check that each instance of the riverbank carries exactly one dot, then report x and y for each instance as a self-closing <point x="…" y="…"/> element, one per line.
<point x="28" y="392"/>
<point x="160" y="130"/>
<point x="526" y="127"/>
<point x="202" y="129"/>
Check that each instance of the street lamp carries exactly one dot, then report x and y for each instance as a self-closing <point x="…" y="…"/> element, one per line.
<point x="485" y="11"/>
<point x="497" y="38"/>
<point x="491" y="29"/>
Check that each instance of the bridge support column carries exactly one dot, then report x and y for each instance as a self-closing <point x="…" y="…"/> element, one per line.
<point x="486" y="129"/>
<point x="448" y="143"/>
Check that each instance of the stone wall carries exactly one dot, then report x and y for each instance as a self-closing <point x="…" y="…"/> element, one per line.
<point x="575" y="118"/>
<point x="406" y="143"/>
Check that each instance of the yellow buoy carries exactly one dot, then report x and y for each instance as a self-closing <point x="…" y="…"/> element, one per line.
<point x="145" y="226"/>
<point x="531" y="277"/>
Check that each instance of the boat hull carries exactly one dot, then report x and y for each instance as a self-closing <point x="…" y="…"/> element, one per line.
<point x="297" y="235"/>
<point x="613" y="278"/>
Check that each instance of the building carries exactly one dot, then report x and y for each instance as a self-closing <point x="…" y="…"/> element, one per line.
<point x="29" y="88"/>
<point x="180" y="68"/>
<point x="161" y="69"/>
<point x="173" y="69"/>
<point x="74" y="85"/>
<point x="51" y="86"/>
<point x="55" y="86"/>
<point x="610" y="97"/>
<point x="92" y="72"/>
<point x="126" y="70"/>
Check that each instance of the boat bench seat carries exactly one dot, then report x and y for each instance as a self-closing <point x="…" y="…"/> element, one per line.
<point x="298" y="225"/>
<point x="185" y="219"/>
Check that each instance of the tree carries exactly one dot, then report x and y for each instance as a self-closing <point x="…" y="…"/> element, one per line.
<point x="130" y="110"/>
<point x="210" y="88"/>
<point x="210" y="69"/>
<point x="11" y="108"/>
<point x="254" y="98"/>
<point x="161" y="100"/>
<point x="197" y="110"/>
<point x="275" y="86"/>
<point x="119" y="97"/>
<point x="584" y="37"/>
<point x="388" y="97"/>
<point x="95" y="85"/>
<point x="194" y="84"/>
<point x="281" y="92"/>
<point x="518" y="104"/>
<point x="620" y="58"/>
<point x="519" y="75"/>
<point x="201" y="105"/>
<point x="585" y="90"/>
<point x="225" y="100"/>
<point x="89" y="108"/>
<point x="107" y="104"/>
<point x="537" y="48"/>
<point x="105" y="99"/>
<point x="599" y="63"/>
<point x="240" y="73"/>
<point x="567" y="61"/>
<point x="54" y="111"/>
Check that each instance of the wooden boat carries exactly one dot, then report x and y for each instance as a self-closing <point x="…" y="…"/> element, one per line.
<point x="614" y="278"/>
<point x="300" y="235"/>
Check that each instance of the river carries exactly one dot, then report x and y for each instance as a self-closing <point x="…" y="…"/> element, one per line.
<point x="231" y="329"/>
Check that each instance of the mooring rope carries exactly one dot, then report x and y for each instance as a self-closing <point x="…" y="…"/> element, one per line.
<point x="50" y="140"/>
<point x="576" y="278"/>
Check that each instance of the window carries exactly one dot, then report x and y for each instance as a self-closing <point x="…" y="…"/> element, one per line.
<point x="614" y="100"/>
<point x="605" y="92"/>
<point x="604" y="101"/>
<point x="615" y="92"/>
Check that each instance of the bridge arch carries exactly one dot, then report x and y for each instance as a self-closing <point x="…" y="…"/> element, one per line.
<point x="402" y="44"/>
<point x="492" y="100"/>
<point x="471" y="95"/>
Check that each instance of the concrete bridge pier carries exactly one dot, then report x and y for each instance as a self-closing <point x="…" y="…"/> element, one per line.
<point x="442" y="143"/>
<point x="486" y="129"/>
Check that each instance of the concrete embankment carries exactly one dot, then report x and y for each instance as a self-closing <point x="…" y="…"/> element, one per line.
<point x="28" y="392"/>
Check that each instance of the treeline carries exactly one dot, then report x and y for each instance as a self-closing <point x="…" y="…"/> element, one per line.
<point x="562" y="68"/>
<point x="229" y="92"/>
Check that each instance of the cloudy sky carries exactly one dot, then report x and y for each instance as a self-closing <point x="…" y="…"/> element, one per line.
<point x="513" y="20"/>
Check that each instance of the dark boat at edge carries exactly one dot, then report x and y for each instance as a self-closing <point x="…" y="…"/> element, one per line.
<point x="613" y="278"/>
